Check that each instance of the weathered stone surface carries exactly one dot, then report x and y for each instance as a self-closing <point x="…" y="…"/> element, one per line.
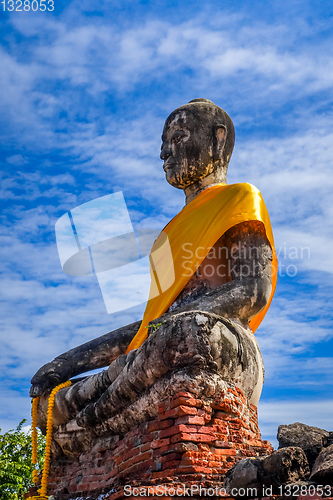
<point x="245" y="474"/>
<point x="94" y="354"/>
<point x="283" y="466"/>
<point x="286" y="465"/>
<point x="310" y="439"/>
<point x="323" y="468"/>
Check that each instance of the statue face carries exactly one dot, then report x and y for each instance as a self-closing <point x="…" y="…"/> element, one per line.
<point x="187" y="149"/>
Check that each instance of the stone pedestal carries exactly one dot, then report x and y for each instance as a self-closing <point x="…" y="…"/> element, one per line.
<point x="190" y="444"/>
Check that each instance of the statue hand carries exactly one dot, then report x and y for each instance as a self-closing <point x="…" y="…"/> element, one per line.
<point x="49" y="376"/>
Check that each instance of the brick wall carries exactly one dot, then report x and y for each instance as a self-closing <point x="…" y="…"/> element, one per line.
<point x="190" y="442"/>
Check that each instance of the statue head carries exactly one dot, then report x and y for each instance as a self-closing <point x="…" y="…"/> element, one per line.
<point x="197" y="142"/>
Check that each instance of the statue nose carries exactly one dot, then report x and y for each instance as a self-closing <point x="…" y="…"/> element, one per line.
<point x="165" y="153"/>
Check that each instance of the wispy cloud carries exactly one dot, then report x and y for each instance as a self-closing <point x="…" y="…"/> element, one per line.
<point x="207" y="54"/>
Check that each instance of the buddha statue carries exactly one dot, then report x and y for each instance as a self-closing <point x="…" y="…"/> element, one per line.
<point x="225" y="266"/>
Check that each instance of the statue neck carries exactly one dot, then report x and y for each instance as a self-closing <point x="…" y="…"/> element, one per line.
<point x="211" y="180"/>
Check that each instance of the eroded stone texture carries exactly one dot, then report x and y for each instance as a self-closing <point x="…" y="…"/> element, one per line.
<point x="89" y="356"/>
<point x="197" y="143"/>
<point x="281" y="467"/>
<point x="310" y="439"/>
<point x="323" y="468"/>
<point x="286" y="465"/>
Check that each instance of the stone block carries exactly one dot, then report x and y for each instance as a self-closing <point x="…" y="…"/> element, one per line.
<point x="322" y="471"/>
<point x="310" y="439"/>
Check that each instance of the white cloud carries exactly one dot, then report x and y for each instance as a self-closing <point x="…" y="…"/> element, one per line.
<point x="273" y="413"/>
<point x="35" y="185"/>
<point x="17" y="408"/>
<point x="93" y="56"/>
<point x="16" y="160"/>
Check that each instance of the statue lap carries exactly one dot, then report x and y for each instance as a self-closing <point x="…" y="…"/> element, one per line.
<point x="195" y="351"/>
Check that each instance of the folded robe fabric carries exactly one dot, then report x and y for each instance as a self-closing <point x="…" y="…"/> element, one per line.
<point x="174" y="257"/>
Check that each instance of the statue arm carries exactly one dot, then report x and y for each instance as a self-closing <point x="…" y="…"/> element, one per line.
<point x="94" y="354"/>
<point x="250" y="273"/>
<point x="241" y="298"/>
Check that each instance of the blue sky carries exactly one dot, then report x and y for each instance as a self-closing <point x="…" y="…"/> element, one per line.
<point x="84" y="94"/>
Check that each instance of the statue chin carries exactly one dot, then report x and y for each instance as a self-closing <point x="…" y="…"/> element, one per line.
<point x="175" y="180"/>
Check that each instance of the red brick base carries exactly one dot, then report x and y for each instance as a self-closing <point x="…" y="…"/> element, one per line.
<point x="189" y="443"/>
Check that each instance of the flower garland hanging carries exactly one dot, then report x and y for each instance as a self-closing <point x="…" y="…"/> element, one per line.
<point x="34" y="407"/>
<point x="43" y="490"/>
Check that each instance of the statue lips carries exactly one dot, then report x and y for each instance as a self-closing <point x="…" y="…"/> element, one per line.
<point x="169" y="164"/>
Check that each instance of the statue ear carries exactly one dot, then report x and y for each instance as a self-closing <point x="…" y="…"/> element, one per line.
<point x="220" y="136"/>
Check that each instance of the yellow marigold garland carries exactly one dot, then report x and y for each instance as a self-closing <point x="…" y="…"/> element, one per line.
<point x="34" y="407"/>
<point x="43" y="490"/>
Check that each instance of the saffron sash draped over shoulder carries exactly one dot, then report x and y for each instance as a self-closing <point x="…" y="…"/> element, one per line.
<point x="174" y="257"/>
